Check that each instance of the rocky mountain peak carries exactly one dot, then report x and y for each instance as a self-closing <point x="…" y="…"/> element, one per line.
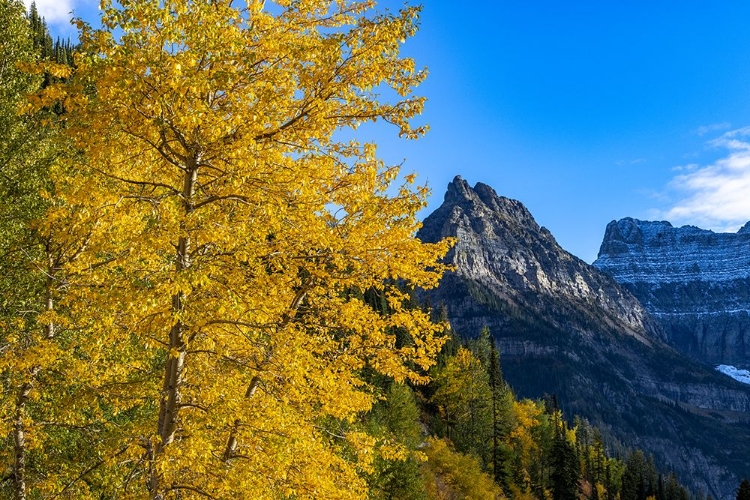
<point x="501" y="246"/>
<point x="623" y="233"/>
<point x="459" y="191"/>
<point x="483" y="197"/>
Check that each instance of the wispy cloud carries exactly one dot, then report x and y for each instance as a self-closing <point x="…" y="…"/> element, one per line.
<point x="636" y="161"/>
<point x="714" y="127"/>
<point x="715" y="196"/>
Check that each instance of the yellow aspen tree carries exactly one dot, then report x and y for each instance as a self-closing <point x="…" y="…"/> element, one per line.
<point x="229" y="223"/>
<point x="35" y="354"/>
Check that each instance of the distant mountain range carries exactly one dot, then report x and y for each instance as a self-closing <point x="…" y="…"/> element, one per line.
<point x="566" y="328"/>
<point x="694" y="281"/>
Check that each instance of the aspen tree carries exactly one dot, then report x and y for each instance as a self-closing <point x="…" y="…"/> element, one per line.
<point x="227" y="221"/>
<point x="30" y="351"/>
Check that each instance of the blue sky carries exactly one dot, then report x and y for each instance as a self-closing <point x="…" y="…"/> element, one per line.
<point x="585" y="111"/>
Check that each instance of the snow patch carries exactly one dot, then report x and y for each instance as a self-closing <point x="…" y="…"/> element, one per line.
<point x="736" y="373"/>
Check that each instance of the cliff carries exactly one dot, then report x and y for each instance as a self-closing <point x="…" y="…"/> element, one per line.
<point x="695" y="282"/>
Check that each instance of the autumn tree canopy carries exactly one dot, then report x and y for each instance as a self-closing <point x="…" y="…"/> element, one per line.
<point x="224" y="228"/>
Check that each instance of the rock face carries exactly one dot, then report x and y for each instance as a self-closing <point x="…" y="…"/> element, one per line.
<point x="695" y="282"/>
<point x="568" y="329"/>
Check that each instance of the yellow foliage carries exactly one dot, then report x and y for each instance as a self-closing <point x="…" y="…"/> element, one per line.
<point x="451" y="475"/>
<point x="601" y="490"/>
<point x="221" y="229"/>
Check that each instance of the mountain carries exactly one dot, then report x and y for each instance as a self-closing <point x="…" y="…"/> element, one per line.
<point x="568" y="329"/>
<point x="694" y="281"/>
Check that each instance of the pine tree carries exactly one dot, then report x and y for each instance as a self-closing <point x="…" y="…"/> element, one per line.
<point x="743" y="492"/>
<point x="502" y="418"/>
<point x="565" y="474"/>
<point x="464" y="398"/>
<point x="396" y="419"/>
<point x="661" y="493"/>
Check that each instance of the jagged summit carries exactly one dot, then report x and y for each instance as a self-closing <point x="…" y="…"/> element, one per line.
<point x="459" y="192"/>
<point x="501" y="246"/>
<point x="480" y="202"/>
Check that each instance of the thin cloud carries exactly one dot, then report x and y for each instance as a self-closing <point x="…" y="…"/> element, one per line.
<point x="690" y="167"/>
<point x="636" y="161"/>
<point x="715" y="196"/>
<point x="714" y="127"/>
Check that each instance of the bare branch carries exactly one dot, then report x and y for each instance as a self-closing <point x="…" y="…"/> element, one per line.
<point x="88" y="471"/>
<point x="190" y="488"/>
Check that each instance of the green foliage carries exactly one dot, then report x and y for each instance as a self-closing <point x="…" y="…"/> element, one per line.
<point x="464" y="399"/>
<point x="396" y="419"/>
<point x="565" y="476"/>
<point x="528" y="447"/>
<point x="34" y="351"/>
<point x="59" y="51"/>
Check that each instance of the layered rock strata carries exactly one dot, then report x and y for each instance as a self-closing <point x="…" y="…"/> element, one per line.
<point x="695" y="282"/>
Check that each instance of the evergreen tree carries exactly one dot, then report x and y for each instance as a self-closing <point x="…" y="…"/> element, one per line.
<point x="674" y="490"/>
<point x="651" y="478"/>
<point x="502" y="418"/>
<point x="464" y="399"/>
<point x="661" y="493"/>
<point x="397" y="419"/>
<point x="743" y="492"/>
<point x="608" y="483"/>
<point x="634" y="478"/>
<point x="41" y="37"/>
<point x="482" y="347"/>
<point x="565" y="474"/>
<point x="599" y="457"/>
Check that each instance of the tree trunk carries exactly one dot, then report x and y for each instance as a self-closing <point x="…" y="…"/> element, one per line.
<point x="19" y="443"/>
<point x="49" y="300"/>
<point x="171" y="398"/>
<point x="232" y="441"/>
<point x="19" y="428"/>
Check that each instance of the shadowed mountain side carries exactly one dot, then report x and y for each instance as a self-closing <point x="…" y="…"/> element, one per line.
<point x="566" y="328"/>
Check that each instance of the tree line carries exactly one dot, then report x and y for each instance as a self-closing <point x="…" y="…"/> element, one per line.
<point x="528" y="447"/>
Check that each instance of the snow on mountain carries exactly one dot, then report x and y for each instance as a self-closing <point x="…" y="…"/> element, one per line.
<point x="667" y="254"/>
<point x="736" y="373"/>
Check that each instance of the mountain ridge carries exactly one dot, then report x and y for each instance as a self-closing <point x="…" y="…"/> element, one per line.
<point x="565" y="328"/>
<point x="694" y="281"/>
